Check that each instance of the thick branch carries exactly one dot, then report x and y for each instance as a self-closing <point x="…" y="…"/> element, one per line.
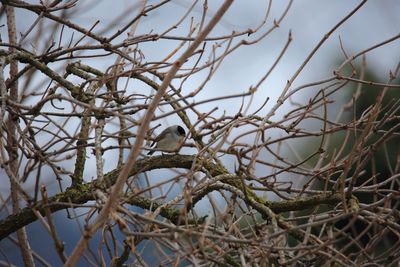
<point x="83" y="193"/>
<point x="31" y="60"/>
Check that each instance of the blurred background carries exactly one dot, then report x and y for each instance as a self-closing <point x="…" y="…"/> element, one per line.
<point x="307" y="21"/>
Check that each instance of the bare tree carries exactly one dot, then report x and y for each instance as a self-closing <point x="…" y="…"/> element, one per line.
<point x="75" y="137"/>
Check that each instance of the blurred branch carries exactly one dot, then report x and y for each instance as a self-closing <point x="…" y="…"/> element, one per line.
<point x="12" y="143"/>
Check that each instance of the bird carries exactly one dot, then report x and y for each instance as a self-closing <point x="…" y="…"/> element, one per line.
<point x="168" y="140"/>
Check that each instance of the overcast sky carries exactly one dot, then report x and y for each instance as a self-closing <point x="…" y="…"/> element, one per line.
<point x="308" y="21"/>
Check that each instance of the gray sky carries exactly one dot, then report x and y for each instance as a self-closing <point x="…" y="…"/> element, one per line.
<point x="308" y="21"/>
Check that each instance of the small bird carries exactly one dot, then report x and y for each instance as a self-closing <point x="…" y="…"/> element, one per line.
<point x="169" y="140"/>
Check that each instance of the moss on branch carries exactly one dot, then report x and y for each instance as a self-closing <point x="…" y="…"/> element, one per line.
<point x="82" y="193"/>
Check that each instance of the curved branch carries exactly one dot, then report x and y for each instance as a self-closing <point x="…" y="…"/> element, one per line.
<point x="82" y="193"/>
<point x="30" y="59"/>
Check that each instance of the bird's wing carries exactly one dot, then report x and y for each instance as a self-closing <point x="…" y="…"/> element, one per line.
<point x="160" y="136"/>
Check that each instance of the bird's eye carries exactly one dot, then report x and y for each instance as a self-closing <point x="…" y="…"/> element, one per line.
<point x="181" y="131"/>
